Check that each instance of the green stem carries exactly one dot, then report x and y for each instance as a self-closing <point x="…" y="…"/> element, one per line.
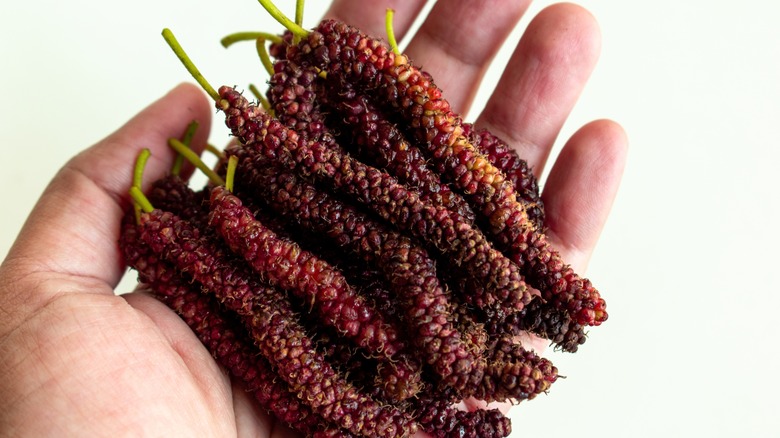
<point x="281" y="18"/>
<point x="178" y="162"/>
<point x="233" y="38"/>
<point x="265" y="58"/>
<point x="188" y="64"/>
<point x="213" y="149"/>
<point x="193" y="158"/>
<point x="298" y="18"/>
<point x="389" y="29"/>
<point x="299" y="12"/>
<point x="138" y="178"/>
<point x="230" y="174"/>
<point x="141" y="200"/>
<point x="260" y="38"/>
<point x="140" y="165"/>
<point x="263" y="101"/>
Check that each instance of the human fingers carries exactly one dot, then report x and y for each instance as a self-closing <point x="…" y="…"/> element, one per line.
<point x="457" y="41"/>
<point x="369" y="15"/>
<point x="73" y="229"/>
<point x="578" y="197"/>
<point x="202" y="368"/>
<point x="224" y="394"/>
<point x="581" y="187"/>
<point x="542" y="81"/>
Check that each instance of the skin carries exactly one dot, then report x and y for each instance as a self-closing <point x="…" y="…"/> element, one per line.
<point x="76" y="359"/>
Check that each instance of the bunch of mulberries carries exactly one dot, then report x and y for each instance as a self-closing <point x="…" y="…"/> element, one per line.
<point x="361" y="258"/>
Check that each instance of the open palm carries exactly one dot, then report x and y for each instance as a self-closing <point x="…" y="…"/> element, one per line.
<point x="76" y="359"/>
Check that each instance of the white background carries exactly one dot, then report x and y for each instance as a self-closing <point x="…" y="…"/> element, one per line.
<point x="687" y="261"/>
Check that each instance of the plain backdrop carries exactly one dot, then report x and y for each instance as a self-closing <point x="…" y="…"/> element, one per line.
<point x="688" y="259"/>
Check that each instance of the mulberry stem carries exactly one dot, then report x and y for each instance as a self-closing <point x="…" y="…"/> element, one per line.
<point x="390" y="32"/>
<point x="170" y="38"/>
<point x="193" y="158"/>
<point x="283" y="19"/>
<point x="233" y="38"/>
<point x="141" y="200"/>
<point x="186" y="139"/>
<point x="265" y="58"/>
<point x="138" y="176"/>
<point x="299" y="12"/>
<point x="231" y="173"/>
<point x="260" y="39"/>
<point x="140" y="165"/>
<point x="215" y="151"/>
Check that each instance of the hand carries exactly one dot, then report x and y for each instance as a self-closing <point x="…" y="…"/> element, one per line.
<point x="75" y="359"/>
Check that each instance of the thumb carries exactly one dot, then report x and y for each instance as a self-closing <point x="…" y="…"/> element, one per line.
<point x="72" y="231"/>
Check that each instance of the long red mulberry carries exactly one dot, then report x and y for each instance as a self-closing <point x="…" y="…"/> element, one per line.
<point x="373" y="188"/>
<point x="365" y="201"/>
<point x="201" y="312"/>
<point x="414" y="279"/>
<point x="275" y="331"/>
<point x="344" y="51"/>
